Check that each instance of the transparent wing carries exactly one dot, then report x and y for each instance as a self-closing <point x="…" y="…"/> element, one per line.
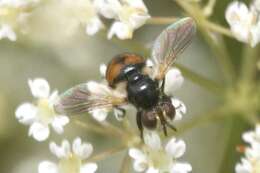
<point x="89" y="96"/>
<point x="170" y="43"/>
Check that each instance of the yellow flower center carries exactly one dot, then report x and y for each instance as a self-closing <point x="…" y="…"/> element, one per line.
<point x="159" y="159"/>
<point x="71" y="164"/>
<point x="45" y="111"/>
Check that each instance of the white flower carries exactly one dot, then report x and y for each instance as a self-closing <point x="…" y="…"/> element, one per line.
<point x="7" y="32"/>
<point x="13" y="17"/>
<point x="154" y="158"/>
<point x="102" y="70"/>
<point x="129" y="15"/>
<point x="17" y="3"/>
<point x="252" y="136"/>
<point x="41" y="114"/>
<point x="180" y="108"/>
<point x="243" y="22"/>
<point x="73" y="14"/>
<point x="70" y="158"/>
<point x="173" y="81"/>
<point x="251" y="162"/>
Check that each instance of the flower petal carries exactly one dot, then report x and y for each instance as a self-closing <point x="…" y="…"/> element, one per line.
<point x="53" y="98"/>
<point x="175" y="148"/>
<point x="138" y="4"/>
<point x="39" y="131"/>
<point x="93" y="26"/>
<point x="242" y="22"/>
<point x="136" y="154"/>
<point x="249" y="137"/>
<point x="152" y="139"/>
<point x="180" y="108"/>
<point x="88" y="168"/>
<point x="60" y="151"/>
<point x="39" y="87"/>
<point x="173" y="81"/>
<point x="138" y="20"/>
<point x="140" y="165"/>
<point x="7" y="32"/>
<point x="180" y="168"/>
<point x="58" y="123"/>
<point x="236" y="12"/>
<point x="121" y="30"/>
<point x="99" y="114"/>
<point x="83" y="150"/>
<point x="152" y="170"/>
<point x="107" y="8"/>
<point x="47" y="167"/>
<point x="26" y="113"/>
<point x="244" y="167"/>
<point x="255" y="34"/>
<point x="103" y="69"/>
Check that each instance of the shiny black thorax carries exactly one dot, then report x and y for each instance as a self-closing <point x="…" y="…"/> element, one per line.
<point x="142" y="91"/>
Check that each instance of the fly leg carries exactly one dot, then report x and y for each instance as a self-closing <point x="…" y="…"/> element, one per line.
<point x="171" y="126"/>
<point x="139" y="124"/>
<point x="163" y="84"/>
<point x="163" y="122"/>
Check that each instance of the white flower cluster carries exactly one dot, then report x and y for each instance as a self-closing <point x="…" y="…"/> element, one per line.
<point x="251" y="162"/>
<point x="128" y="15"/>
<point x="41" y="114"/>
<point x="244" y="22"/>
<point x="13" y="14"/>
<point x="154" y="158"/>
<point x="70" y="160"/>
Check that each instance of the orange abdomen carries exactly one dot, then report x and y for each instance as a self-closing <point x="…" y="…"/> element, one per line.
<point x="118" y="63"/>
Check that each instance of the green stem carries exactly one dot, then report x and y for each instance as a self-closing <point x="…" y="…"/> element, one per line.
<point x="219" y="29"/>
<point x="210" y="85"/>
<point x="208" y="9"/>
<point x="98" y="129"/>
<point x="161" y="20"/>
<point x="107" y="153"/>
<point x="249" y="67"/>
<point x="125" y="164"/>
<point x="234" y="127"/>
<point x="210" y="25"/>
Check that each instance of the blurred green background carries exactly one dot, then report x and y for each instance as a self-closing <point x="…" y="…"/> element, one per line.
<point x="67" y="61"/>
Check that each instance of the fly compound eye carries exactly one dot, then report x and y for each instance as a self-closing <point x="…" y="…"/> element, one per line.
<point x="149" y="119"/>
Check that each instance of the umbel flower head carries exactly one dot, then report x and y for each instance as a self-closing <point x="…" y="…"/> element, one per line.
<point x="153" y="157"/>
<point x="81" y="12"/>
<point x="250" y="163"/>
<point x="13" y="15"/>
<point x="70" y="158"/>
<point x="40" y="115"/>
<point x="244" y="22"/>
<point x="128" y="14"/>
